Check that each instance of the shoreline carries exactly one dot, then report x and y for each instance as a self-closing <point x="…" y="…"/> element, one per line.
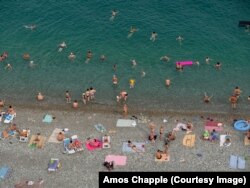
<point x="117" y="110"/>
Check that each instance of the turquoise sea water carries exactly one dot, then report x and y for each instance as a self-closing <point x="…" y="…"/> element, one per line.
<point x="209" y="28"/>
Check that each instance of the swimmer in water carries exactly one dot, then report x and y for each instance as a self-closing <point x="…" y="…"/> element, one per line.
<point x="32" y="64"/>
<point x="62" y="46"/>
<point x="134" y="63"/>
<point x="8" y="67"/>
<point x="132" y="31"/>
<point x="102" y="58"/>
<point x="218" y="65"/>
<point x="31" y="27"/>
<point x="89" y="56"/>
<point x="207" y="60"/>
<point x="113" y="15"/>
<point x="180" y="39"/>
<point x="165" y="58"/>
<point x="167" y="82"/>
<point x="72" y="56"/>
<point x="206" y="98"/>
<point x="153" y="36"/>
<point x="143" y="73"/>
<point x="197" y="63"/>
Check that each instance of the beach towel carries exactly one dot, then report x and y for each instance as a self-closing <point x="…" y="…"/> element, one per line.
<point x="246" y="141"/>
<point x="139" y="145"/>
<point x="119" y="160"/>
<point x="125" y="123"/>
<point x="223" y="139"/>
<point x="241" y="163"/>
<point x="30" y="184"/>
<point x="106" y="142"/>
<point x="189" y="140"/>
<point x="210" y="125"/>
<point x="99" y="127"/>
<point x="233" y="162"/>
<point x="164" y="158"/>
<point x="4" y="172"/>
<point x="53" y="137"/>
<point x="47" y="118"/>
<point x="91" y="147"/>
<point x="8" y="118"/>
<point x="40" y="144"/>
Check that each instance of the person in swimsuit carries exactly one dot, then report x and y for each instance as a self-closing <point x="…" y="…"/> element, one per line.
<point x="161" y="132"/>
<point x="133" y="146"/>
<point x="68" y="97"/>
<point x="206" y="98"/>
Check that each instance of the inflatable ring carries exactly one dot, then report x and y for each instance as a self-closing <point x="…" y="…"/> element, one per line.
<point x="242" y="125"/>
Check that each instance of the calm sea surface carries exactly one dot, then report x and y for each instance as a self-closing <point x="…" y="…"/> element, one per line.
<point x="209" y="28"/>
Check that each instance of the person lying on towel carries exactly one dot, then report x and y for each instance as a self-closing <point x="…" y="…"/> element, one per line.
<point x="94" y="142"/>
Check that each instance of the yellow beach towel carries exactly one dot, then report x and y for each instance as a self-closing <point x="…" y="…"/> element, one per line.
<point x="40" y="144"/>
<point x="165" y="158"/>
<point x="189" y="140"/>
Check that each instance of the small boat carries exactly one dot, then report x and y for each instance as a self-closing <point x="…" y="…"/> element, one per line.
<point x="242" y="125"/>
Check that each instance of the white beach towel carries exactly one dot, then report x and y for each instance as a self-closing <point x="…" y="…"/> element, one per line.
<point x="222" y="139"/>
<point x="125" y="123"/>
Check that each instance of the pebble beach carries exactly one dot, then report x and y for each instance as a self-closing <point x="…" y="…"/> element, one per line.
<point x="81" y="169"/>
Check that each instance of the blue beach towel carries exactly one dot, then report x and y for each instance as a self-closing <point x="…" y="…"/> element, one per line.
<point x="233" y="161"/>
<point x="4" y="172"/>
<point x="139" y="145"/>
<point x="100" y="128"/>
<point x="241" y="163"/>
<point x="47" y="118"/>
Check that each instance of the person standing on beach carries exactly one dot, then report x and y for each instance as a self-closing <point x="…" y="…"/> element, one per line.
<point x="75" y="104"/>
<point x="125" y="110"/>
<point x="1" y="103"/>
<point x="161" y="132"/>
<point x="115" y="80"/>
<point x="68" y="97"/>
<point x="233" y="100"/>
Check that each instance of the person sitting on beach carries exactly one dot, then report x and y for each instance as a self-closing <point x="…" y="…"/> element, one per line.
<point x="206" y="135"/>
<point x="60" y="136"/>
<point x="214" y="136"/>
<point x="72" y="145"/>
<point x="227" y="139"/>
<point x="152" y="137"/>
<point x="37" y="139"/>
<point x="39" y="96"/>
<point x="11" y="110"/>
<point x="13" y="127"/>
<point x="133" y="146"/>
<point x="171" y="136"/>
<point x="206" y="98"/>
<point x="109" y="165"/>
